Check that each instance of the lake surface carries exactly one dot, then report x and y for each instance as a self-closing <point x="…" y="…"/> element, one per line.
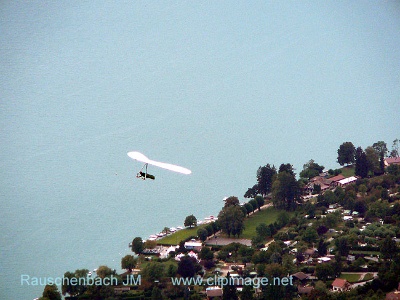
<point x="218" y="90"/>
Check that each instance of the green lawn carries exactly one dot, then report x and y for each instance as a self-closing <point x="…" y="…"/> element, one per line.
<point x="266" y="216"/>
<point x="368" y="276"/>
<point x="180" y="235"/>
<point x="351" y="277"/>
<point x="365" y="252"/>
<point x="348" y="171"/>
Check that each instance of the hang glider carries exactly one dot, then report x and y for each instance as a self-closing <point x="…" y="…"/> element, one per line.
<point x="144" y="159"/>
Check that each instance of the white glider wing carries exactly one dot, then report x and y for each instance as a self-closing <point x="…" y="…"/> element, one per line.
<point x="143" y="158"/>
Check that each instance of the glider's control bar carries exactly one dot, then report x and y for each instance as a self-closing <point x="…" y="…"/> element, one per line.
<point x="144" y="159"/>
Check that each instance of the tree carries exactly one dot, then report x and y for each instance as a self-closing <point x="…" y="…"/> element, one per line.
<point x="324" y="271"/>
<point x="283" y="219"/>
<point x="361" y="168"/>
<point x="187" y="266"/>
<point x="137" y="245"/>
<point x="380" y="148"/>
<point x="190" y="221"/>
<point x="231" y="201"/>
<point x="263" y="231"/>
<point x="74" y="289"/>
<point x="51" y="292"/>
<point x="128" y="262"/>
<point x="346" y="153"/>
<point x="310" y="235"/>
<point x="260" y="201"/>
<point x="202" y="234"/>
<point x="247" y="292"/>
<point x="249" y="208"/>
<point x="156" y="294"/>
<point x="206" y="253"/>
<point x="253" y="203"/>
<point x="388" y="248"/>
<point x="229" y="290"/>
<point x="285" y="191"/>
<point x="286" y="168"/>
<point x="322" y="247"/>
<point x="311" y="169"/>
<point x="265" y="177"/>
<point x="104" y="271"/>
<point x="231" y="220"/>
<point x="373" y="159"/>
<point x="152" y="271"/>
<point x="342" y="246"/>
<point x="395" y="149"/>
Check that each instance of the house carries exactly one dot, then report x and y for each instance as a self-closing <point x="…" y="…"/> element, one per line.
<point x="304" y="290"/>
<point x="340" y="285"/>
<point x="393" y="296"/>
<point x="351" y="258"/>
<point x="391" y="160"/>
<point x="193" y="245"/>
<point x="300" y="276"/>
<point x="335" y="179"/>
<point x="347" y="181"/>
<point x="214" y="292"/>
<point x="309" y="252"/>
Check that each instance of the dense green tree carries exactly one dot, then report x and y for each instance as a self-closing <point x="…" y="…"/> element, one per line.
<point x="288" y="168"/>
<point x="263" y="231"/>
<point x="322" y="247"/>
<point x="231" y="201"/>
<point x="260" y="201"/>
<point x="187" y="266"/>
<point x="311" y="169"/>
<point x="137" y="245"/>
<point x="380" y="148"/>
<point x="324" y="271"/>
<point x="283" y="219"/>
<point x="388" y="248"/>
<point x="247" y="293"/>
<point x="263" y="186"/>
<point x="231" y="220"/>
<point x="51" y="292"/>
<point x="202" y="233"/>
<point x="206" y="253"/>
<point x="156" y="294"/>
<point x="128" y="262"/>
<point x="361" y="167"/>
<point x="285" y="191"/>
<point x="265" y="177"/>
<point x="373" y="159"/>
<point x="342" y="245"/>
<point x="153" y="270"/>
<point x="253" y="203"/>
<point x="190" y="221"/>
<point x="104" y="271"/>
<point x="346" y="153"/>
<point x="229" y="290"/>
<point x="310" y="235"/>
<point x="249" y="208"/>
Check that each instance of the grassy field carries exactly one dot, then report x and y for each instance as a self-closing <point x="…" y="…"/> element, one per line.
<point x="350" y="277"/>
<point x="368" y="276"/>
<point x="266" y="216"/>
<point x="175" y="238"/>
<point x="365" y="252"/>
<point x="348" y="171"/>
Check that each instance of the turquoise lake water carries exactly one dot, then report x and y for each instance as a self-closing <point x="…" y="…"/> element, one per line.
<point x="219" y="89"/>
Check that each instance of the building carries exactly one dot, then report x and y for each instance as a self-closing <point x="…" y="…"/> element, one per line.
<point x="193" y="245"/>
<point x="340" y="285"/>
<point x="214" y="292"/>
<point x="347" y="181"/>
<point x="391" y="160"/>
